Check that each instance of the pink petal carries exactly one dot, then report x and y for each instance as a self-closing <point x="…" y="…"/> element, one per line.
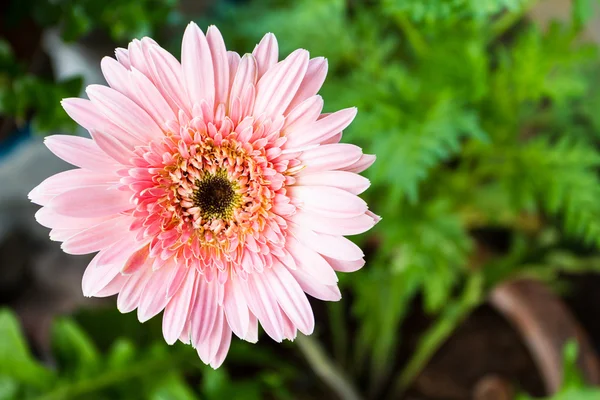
<point x="69" y="180"/>
<point x="312" y="81"/>
<point x="204" y="312"/>
<point x="93" y="201"/>
<point x="116" y="149"/>
<point x="151" y="100"/>
<point x="236" y="308"/>
<point x="136" y="262"/>
<point x="252" y="335"/>
<point x="304" y="113"/>
<point x="48" y="218"/>
<point x="129" y="297"/>
<point x="96" y="277"/>
<point x="168" y="74"/>
<point x="117" y="76"/>
<point x="197" y="65"/>
<point x="113" y="287"/>
<point x="220" y="63"/>
<point x="86" y="114"/>
<point x="348" y="181"/>
<point x="123" y="57"/>
<point x="291" y="298"/>
<point x="311" y="262"/>
<point x="361" y="164"/>
<point x="207" y="349"/>
<point x="345" y="266"/>
<point x="245" y="75"/>
<point x="330" y="157"/>
<point x="277" y="87"/>
<point x="315" y="288"/>
<point x="124" y="113"/>
<point x="328" y="201"/>
<point x="331" y="246"/>
<point x="176" y="312"/>
<point x="233" y="59"/>
<point x="224" y="343"/>
<point x="154" y="297"/>
<point x="79" y="151"/>
<point x="266" y="53"/>
<point x="263" y="304"/>
<point x="322" y="129"/>
<point x="98" y="237"/>
<point x="334" y="226"/>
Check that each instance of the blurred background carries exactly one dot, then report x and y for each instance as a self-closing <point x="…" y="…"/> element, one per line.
<point x="483" y="278"/>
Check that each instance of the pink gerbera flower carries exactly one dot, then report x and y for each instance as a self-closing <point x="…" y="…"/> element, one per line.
<point x="214" y="190"/>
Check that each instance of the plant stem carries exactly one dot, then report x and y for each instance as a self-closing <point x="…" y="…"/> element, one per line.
<point x="441" y="330"/>
<point x="508" y="20"/>
<point x="326" y="369"/>
<point x="110" y="378"/>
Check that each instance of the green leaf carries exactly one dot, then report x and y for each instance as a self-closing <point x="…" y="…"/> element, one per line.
<point x="15" y="360"/>
<point x="74" y="349"/>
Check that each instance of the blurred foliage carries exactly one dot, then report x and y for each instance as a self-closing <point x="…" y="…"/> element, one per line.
<point x="573" y="385"/>
<point x="27" y="97"/>
<point x="124" y="371"/>
<point x="487" y="133"/>
<point x="24" y="95"/>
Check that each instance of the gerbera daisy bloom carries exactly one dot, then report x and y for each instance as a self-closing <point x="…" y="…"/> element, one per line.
<point x="213" y="189"/>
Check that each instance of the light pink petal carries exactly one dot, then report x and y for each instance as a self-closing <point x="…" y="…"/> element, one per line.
<point x="151" y="100"/>
<point x="123" y="57"/>
<point x="197" y="64"/>
<point x="345" y="266"/>
<point x="86" y="114"/>
<point x="304" y="113"/>
<point x="154" y="298"/>
<point x="117" y="76"/>
<point x="205" y="311"/>
<point x="129" y="297"/>
<point x="315" y="288"/>
<point x="98" y="237"/>
<point x="328" y="201"/>
<point x="235" y="307"/>
<point x="291" y="298"/>
<point x="331" y="246"/>
<point x="176" y="312"/>
<point x="68" y="180"/>
<point x="312" y="81"/>
<point x="277" y="87"/>
<point x="333" y="226"/>
<point x="93" y="201"/>
<point x="224" y="343"/>
<point x="96" y="277"/>
<point x="113" y="287"/>
<point x="47" y="217"/>
<point x="263" y="304"/>
<point x="245" y="75"/>
<point x="115" y="148"/>
<point x="136" y="262"/>
<point x="348" y="181"/>
<point x="322" y="129"/>
<point x="252" y="335"/>
<point x="233" y="59"/>
<point x="220" y="63"/>
<point x="207" y="349"/>
<point x="168" y="75"/>
<point x="137" y="57"/>
<point x="266" y="53"/>
<point x="361" y="164"/>
<point x="311" y="262"/>
<point x="329" y="157"/>
<point x="79" y="151"/>
<point x="124" y="113"/>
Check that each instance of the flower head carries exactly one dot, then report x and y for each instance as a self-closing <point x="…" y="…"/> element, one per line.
<point x="214" y="190"/>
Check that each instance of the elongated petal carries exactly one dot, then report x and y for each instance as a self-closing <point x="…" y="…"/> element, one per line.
<point x="197" y="64"/>
<point x="266" y="53"/>
<point x="79" y="151"/>
<point x="176" y="312"/>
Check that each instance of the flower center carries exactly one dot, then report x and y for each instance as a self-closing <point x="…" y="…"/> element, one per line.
<point x="215" y="196"/>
